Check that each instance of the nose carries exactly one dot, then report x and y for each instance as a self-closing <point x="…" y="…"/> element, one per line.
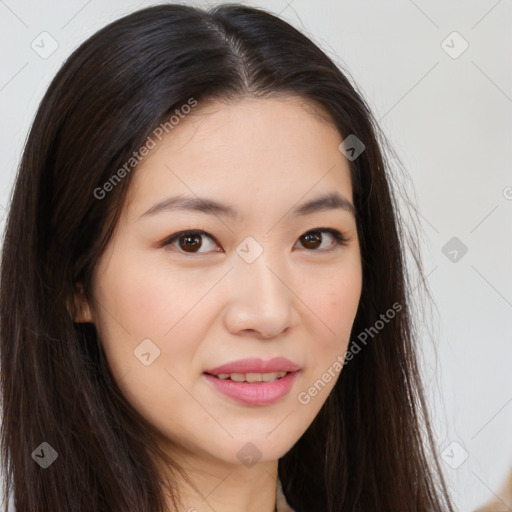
<point x="261" y="300"/>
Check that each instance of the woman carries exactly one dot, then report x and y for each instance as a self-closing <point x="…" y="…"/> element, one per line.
<point x="205" y="303"/>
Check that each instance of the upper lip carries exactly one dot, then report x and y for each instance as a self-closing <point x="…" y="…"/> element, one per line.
<point x="254" y="365"/>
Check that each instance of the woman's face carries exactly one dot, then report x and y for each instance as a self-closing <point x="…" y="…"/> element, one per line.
<point x="260" y="278"/>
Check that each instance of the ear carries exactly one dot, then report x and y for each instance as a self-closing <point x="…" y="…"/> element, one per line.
<point x="82" y="307"/>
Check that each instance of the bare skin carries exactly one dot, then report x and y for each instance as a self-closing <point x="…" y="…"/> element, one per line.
<point x="209" y="307"/>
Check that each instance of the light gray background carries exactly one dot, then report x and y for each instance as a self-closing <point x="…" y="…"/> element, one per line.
<point x="448" y="118"/>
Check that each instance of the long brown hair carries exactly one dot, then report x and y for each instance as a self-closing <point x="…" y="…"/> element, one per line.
<point x="371" y="447"/>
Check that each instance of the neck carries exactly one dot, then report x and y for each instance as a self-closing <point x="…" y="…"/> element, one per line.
<point x="226" y="487"/>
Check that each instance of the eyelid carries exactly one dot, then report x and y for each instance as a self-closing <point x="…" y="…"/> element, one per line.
<point x="340" y="239"/>
<point x="170" y="239"/>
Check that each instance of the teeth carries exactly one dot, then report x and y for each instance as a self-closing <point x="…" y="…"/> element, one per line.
<point x="252" y="377"/>
<point x="268" y="377"/>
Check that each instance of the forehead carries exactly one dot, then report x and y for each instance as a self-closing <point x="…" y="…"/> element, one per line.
<point x="253" y="148"/>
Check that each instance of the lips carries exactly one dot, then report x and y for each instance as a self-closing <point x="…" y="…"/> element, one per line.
<point x="254" y="365"/>
<point x="253" y="393"/>
<point x="254" y="382"/>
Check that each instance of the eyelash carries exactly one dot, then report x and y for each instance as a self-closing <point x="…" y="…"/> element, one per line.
<point x="339" y="239"/>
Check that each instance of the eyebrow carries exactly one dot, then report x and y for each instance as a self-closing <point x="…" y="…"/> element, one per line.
<point x="331" y="201"/>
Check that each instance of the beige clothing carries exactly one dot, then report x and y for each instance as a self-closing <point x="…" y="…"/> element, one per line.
<point x="281" y="503"/>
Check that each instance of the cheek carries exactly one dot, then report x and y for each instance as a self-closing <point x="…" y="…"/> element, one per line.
<point x="343" y="308"/>
<point x="145" y="297"/>
<point x="142" y="300"/>
<point x="335" y="308"/>
<point x="335" y="304"/>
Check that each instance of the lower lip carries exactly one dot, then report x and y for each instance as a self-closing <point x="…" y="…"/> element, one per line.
<point x="257" y="393"/>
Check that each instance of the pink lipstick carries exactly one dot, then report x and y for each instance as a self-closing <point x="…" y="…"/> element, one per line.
<point x="254" y="381"/>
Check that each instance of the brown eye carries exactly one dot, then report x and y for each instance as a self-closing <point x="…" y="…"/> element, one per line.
<point x="191" y="242"/>
<point x="313" y="239"/>
<point x="188" y="241"/>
